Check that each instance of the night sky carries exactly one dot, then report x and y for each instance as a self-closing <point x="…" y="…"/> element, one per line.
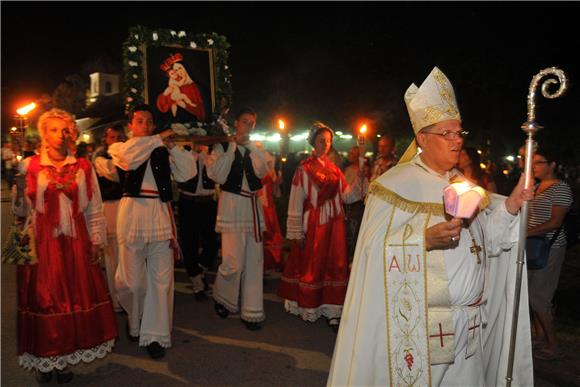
<point x="335" y="62"/>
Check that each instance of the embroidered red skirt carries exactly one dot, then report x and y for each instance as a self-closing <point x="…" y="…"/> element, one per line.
<point x="63" y="300"/>
<point x="318" y="273"/>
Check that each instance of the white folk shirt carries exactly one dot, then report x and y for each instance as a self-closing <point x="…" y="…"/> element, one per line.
<point x="235" y="212"/>
<point x="144" y="219"/>
<point x="297" y="222"/>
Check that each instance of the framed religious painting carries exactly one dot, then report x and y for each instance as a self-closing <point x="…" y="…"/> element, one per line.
<point x="183" y="76"/>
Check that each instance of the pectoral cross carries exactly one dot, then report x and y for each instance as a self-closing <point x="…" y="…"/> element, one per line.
<point x="475" y="249"/>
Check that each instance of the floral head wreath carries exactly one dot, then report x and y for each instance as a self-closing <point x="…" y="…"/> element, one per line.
<point x="315" y="129"/>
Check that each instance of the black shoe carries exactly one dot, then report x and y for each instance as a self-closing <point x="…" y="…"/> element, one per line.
<point x="221" y="310"/>
<point x="155" y="350"/>
<point x="130" y="337"/>
<point x="43" y="377"/>
<point x="63" y="377"/>
<point x="252" y="326"/>
<point x="200" y="296"/>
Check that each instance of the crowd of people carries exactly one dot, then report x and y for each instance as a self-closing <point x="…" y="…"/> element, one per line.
<point x="415" y="295"/>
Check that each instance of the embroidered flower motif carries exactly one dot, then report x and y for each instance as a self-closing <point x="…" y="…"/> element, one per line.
<point x="409" y="359"/>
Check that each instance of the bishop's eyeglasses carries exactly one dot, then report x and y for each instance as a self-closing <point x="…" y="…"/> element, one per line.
<point x="451" y="135"/>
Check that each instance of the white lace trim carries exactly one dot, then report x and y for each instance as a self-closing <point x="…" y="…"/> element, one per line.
<point x="312" y="314"/>
<point x="163" y="340"/>
<point x="47" y="364"/>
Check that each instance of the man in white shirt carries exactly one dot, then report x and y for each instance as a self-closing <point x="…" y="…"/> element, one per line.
<point x="146" y="229"/>
<point x="238" y="167"/>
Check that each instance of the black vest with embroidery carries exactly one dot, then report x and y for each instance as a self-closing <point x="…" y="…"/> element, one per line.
<point x="110" y="190"/>
<point x="240" y="165"/>
<point x="161" y="172"/>
<point x="191" y="184"/>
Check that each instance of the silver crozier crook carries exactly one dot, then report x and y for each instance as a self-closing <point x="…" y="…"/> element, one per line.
<point x="530" y="127"/>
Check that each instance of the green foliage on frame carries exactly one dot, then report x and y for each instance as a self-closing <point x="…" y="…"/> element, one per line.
<point x="133" y="66"/>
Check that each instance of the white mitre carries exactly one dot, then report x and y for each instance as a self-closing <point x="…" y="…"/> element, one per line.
<point x="429" y="104"/>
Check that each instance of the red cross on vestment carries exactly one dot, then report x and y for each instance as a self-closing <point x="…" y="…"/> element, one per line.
<point x="441" y="334"/>
<point x="474" y="327"/>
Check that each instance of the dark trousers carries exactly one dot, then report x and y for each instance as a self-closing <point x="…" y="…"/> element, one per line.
<point x="197" y="217"/>
<point x="354" y="213"/>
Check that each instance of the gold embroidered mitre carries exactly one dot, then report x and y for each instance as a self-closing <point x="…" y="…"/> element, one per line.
<point x="432" y="102"/>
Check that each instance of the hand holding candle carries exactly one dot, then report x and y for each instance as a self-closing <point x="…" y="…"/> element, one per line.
<point x="462" y="199"/>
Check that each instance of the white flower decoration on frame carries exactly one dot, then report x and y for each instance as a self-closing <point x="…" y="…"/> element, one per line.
<point x="132" y="48"/>
<point x="133" y="63"/>
<point x="135" y="76"/>
<point x="210" y="42"/>
<point x="133" y="90"/>
<point x="192" y="45"/>
<point x="173" y="33"/>
<point x="181" y="34"/>
<point x="155" y="36"/>
<point x="226" y="67"/>
<point x="136" y="36"/>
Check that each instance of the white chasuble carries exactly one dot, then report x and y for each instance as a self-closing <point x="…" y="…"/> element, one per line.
<point x="418" y="318"/>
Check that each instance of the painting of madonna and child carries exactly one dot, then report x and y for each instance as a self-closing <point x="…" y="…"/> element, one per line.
<point x="180" y="85"/>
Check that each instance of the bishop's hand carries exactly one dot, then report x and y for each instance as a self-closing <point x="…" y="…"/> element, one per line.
<point x="444" y="235"/>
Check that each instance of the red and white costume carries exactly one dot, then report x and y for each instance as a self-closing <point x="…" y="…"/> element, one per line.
<point x="64" y="308"/>
<point x="315" y="277"/>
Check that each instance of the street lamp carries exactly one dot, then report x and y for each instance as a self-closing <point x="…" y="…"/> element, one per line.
<point x="22" y="122"/>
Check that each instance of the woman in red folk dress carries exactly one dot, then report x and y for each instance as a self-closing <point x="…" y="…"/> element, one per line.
<point x="64" y="309"/>
<point x="316" y="273"/>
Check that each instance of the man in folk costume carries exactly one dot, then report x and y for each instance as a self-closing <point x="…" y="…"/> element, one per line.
<point x="238" y="167"/>
<point x="110" y="177"/>
<point x="146" y="229"/>
<point x="429" y="300"/>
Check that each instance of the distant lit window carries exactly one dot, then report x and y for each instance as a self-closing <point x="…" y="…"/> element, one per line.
<point x="108" y="87"/>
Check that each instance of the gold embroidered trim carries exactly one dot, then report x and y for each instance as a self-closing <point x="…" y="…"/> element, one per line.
<point x="405" y="204"/>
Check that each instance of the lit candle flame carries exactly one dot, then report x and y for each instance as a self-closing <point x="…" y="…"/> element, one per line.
<point x="363" y="129"/>
<point x="281" y="124"/>
<point x="26" y="109"/>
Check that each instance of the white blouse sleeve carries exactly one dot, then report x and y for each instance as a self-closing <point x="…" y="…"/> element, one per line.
<point x="183" y="165"/>
<point x="129" y="155"/>
<point x="219" y="163"/>
<point x="262" y="161"/>
<point x="355" y="191"/>
<point x="105" y="168"/>
<point x="294" y="222"/>
<point x="94" y="216"/>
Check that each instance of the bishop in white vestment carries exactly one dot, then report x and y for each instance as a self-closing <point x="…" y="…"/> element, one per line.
<point x="430" y="297"/>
